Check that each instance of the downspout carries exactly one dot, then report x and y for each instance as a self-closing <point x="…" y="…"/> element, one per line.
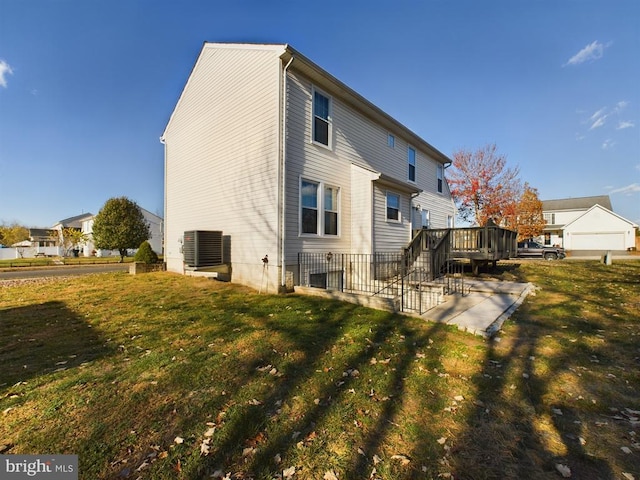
<point x="444" y="180"/>
<point x="163" y="141"/>
<point x="283" y="171"/>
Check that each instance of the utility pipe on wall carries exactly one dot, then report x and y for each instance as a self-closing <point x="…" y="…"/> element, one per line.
<point x="283" y="221"/>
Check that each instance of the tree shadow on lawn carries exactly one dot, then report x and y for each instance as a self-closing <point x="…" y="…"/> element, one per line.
<point x="274" y="413"/>
<point x="42" y="338"/>
<point x="255" y="426"/>
<point x="528" y="423"/>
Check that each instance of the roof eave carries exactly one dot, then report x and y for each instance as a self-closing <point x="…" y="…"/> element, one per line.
<point x="336" y="87"/>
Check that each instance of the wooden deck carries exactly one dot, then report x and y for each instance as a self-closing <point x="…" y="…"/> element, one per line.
<point x="480" y="245"/>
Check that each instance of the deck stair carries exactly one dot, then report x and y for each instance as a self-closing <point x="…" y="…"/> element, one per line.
<point x="416" y="279"/>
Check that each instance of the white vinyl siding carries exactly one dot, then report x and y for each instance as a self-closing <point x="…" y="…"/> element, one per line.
<point x="221" y="150"/>
<point x="390" y="235"/>
<point x="357" y="141"/>
<point x="361" y="202"/>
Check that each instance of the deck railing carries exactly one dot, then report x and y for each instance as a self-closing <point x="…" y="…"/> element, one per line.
<point x="349" y="272"/>
<point x="427" y="268"/>
<point x="412" y="285"/>
<point x="485" y="243"/>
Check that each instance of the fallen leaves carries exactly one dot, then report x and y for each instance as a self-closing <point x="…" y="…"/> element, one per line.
<point x="403" y="459"/>
<point x="205" y="447"/>
<point x="289" y="472"/>
<point x="564" y="470"/>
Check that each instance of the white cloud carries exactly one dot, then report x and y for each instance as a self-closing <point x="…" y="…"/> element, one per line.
<point x="625" y="124"/>
<point x="620" y="105"/>
<point x="598" y="114"/>
<point x="591" y="52"/>
<point x="5" y="69"/>
<point x="628" y="190"/>
<point x="598" y="118"/>
<point x="608" y="143"/>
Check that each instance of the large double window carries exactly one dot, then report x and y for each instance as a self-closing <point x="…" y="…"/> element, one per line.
<point x="319" y="208"/>
<point x="321" y="118"/>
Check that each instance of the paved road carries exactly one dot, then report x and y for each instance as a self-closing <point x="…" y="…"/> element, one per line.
<point x="16" y="273"/>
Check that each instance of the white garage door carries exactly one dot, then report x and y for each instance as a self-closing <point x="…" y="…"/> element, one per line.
<point x="597" y="241"/>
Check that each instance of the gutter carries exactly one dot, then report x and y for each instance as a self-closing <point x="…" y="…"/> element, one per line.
<point x="283" y="178"/>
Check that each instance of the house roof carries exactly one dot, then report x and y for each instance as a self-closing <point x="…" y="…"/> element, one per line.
<point x="74" y="221"/>
<point x="333" y="86"/>
<point x="598" y="206"/>
<point x="42" y="233"/>
<point x="580" y="203"/>
<point x="357" y="101"/>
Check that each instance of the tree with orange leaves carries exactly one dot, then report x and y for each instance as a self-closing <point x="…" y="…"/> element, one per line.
<point x="529" y="221"/>
<point x="482" y="186"/>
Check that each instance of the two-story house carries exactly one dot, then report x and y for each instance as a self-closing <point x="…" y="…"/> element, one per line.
<point x="281" y="157"/>
<point x="156" y="232"/>
<point x="586" y="223"/>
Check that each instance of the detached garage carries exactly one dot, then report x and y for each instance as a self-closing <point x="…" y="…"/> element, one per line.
<point x="599" y="229"/>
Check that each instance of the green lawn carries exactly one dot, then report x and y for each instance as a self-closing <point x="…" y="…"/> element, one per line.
<point x="160" y="376"/>
<point x="53" y="261"/>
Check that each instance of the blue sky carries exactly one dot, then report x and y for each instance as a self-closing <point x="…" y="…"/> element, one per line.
<point x="87" y="87"/>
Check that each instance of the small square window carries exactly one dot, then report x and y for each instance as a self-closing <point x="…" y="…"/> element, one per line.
<point x="393" y="206"/>
<point x="391" y="141"/>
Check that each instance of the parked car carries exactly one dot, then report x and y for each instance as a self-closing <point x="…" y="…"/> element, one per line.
<point x="531" y="249"/>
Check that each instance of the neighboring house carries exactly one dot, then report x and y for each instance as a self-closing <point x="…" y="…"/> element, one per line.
<point x="283" y="158"/>
<point x="71" y="222"/>
<point x="586" y="223"/>
<point x="155" y="229"/>
<point x="45" y="241"/>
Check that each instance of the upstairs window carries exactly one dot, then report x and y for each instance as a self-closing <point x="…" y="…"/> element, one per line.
<point x="393" y="206"/>
<point x="391" y="141"/>
<point x="411" y="159"/>
<point x="321" y="118"/>
<point x="440" y="176"/>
